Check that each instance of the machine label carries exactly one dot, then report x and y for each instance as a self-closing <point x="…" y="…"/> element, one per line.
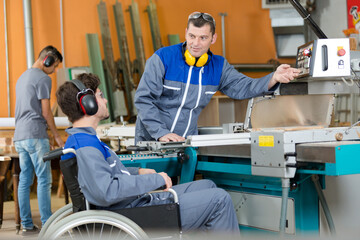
<point x="266" y="141"/>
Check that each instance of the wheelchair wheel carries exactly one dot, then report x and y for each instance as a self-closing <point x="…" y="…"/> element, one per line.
<point x="95" y="224"/>
<point x="55" y="217"/>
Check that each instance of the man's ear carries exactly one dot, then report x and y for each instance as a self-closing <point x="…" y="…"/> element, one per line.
<point x="214" y="38"/>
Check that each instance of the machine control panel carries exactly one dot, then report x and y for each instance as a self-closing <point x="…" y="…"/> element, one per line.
<point x="324" y="58"/>
<point x="303" y="58"/>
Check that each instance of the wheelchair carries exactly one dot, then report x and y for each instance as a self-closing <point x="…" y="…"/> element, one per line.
<point x="79" y="219"/>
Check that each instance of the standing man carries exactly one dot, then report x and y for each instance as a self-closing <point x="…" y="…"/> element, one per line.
<point x="179" y="81"/>
<point x="32" y="118"/>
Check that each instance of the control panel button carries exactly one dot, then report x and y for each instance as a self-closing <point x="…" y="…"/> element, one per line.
<point x="341" y="52"/>
<point x="307" y="52"/>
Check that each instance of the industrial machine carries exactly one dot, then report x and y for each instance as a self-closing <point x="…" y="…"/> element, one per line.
<point x="274" y="163"/>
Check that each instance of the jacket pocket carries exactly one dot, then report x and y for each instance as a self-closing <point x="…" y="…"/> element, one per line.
<point x="171" y="93"/>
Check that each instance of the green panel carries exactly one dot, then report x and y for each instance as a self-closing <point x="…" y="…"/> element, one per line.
<point x="70" y="75"/>
<point x="173" y="39"/>
<point x="96" y="67"/>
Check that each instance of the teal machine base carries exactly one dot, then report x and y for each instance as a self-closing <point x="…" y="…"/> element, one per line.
<point x="257" y="199"/>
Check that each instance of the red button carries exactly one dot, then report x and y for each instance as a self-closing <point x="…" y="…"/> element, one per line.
<point x="307" y="52"/>
<point x="341" y="52"/>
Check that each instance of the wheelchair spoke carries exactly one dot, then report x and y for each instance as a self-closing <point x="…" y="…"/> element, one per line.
<point x="94" y="227"/>
<point x="126" y="235"/>
<point x="79" y="231"/>
<point x="101" y="231"/>
<point x="111" y="230"/>
<point x="87" y="230"/>
<point x="69" y="232"/>
<point x="117" y="237"/>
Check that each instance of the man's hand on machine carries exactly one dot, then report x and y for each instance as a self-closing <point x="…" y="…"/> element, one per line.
<point x="283" y="74"/>
<point x="171" y="137"/>
<point x="167" y="179"/>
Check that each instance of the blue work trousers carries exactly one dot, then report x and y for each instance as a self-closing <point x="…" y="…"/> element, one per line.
<point x="203" y="207"/>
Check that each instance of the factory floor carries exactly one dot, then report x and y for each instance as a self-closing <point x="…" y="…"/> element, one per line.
<point x="8" y="229"/>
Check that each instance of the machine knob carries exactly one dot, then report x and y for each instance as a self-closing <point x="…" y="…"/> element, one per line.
<point x="293" y="185"/>
<point x="182" y="157"/>
<point x="341" y="52"/>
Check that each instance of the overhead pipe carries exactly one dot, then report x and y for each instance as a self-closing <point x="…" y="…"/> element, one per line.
<point x="62" y="33"/>
<point x="7" y="60"/>
<point x="29" y="43"/>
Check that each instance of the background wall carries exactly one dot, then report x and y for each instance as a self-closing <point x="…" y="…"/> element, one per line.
<point x="249" y="36"/>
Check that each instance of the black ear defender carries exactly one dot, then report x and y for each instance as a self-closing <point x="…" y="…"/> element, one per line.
<point x="49" y="59"/>
<point x="193" y="61"/>
<point x="86" y="98"/>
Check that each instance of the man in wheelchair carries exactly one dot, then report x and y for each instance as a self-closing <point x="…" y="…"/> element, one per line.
<point x="108" y="184"/>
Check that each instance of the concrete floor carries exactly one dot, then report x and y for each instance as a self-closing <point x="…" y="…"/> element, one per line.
<point x="8" y="229"/>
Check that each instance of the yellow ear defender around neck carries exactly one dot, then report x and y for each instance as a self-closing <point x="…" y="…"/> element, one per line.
<point x="191" y="60"/>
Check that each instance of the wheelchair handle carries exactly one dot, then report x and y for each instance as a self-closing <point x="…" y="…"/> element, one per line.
<point x="57" y="153"/>
<point x="172" y="191"/>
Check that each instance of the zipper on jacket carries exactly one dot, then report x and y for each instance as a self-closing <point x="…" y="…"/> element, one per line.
<point x="183" y="100"/>
<point x="197" y="101"/>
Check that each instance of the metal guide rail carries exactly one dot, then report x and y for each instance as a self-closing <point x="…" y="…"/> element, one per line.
<point x="197" y="141"/>
<point x="145" y="156"/>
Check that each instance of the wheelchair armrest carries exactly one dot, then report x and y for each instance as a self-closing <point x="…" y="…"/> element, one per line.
<point x="172" y="191"/>
<point x="57" y="153"/>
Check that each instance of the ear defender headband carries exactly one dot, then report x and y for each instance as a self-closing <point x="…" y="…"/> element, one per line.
<point x="193" y="61"/>
<point x="86" y="98"/>
<point x="49" y="59"/>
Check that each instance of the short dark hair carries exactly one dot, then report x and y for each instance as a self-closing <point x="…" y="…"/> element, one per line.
<point x="53" y="51"/>
<point x="67" y="95"/>
<point x="200" y="22"/>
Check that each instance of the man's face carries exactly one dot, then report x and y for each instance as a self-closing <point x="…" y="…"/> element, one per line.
<point x="51" y="69"/>
<point x="199" y="39"/>
<point x="103" y="111"/>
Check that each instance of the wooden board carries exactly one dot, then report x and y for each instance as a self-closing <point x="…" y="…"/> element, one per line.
<point x="125" y="58"/>
<point x="138" y="39"/>
<point x="154" y="25"/>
